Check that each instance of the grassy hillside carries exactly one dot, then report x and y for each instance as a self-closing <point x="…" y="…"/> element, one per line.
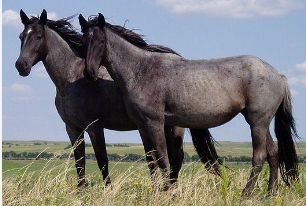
<point x="234" y="149"/>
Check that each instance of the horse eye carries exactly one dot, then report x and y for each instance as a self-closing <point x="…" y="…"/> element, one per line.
<point x="39" y="37"/>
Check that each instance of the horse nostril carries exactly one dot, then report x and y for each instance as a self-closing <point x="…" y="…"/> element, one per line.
<point x="18" y="65"/>
<point x="21" y="64"/>
<point x="89" y="74"/>
<point x="93" y="72"/>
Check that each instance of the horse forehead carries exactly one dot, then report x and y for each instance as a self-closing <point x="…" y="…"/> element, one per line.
<point x="95" y="32"/>
<point x="30" y="29"/>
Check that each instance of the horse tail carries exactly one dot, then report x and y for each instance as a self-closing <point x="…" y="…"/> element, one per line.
<point x="205" y="147"/>
<point x="285" y="130"/>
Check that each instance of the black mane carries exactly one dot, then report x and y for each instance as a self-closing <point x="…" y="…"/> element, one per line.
<point x="130" y="36"/>
<point x="66" y="30"/>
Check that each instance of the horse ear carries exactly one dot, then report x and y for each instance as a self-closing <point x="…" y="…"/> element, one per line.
<point x="101" y="20"/>
<point x="24" y="18"/>
<point x="43" y="17"/>
<point x="82" y="21"/>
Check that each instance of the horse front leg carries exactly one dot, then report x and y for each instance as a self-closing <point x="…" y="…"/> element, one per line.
<point x="97" y="138"/>
<point x="149" y="152"/>
<point x="76" y="136"/>
<point x="154" y="131"/>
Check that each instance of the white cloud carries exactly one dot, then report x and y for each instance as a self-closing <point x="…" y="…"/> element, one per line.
<point x="298" y="80"/>
<point x="301" y="67"/>
<point x="17" y="87"/>
<point x="232" y="8"/>
<point x="12" y="18"/>
<point x="297" y="77"/>
<point x="19" y="92"/>
<point x="294" y="92"/>
<point x="40" y="72"/>
<point x="52" y="16"/>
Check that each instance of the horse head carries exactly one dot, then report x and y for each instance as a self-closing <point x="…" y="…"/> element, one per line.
<point x="33" y="42"/>
<point x="94" y="43"/>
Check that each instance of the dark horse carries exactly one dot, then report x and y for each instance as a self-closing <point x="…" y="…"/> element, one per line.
<point x="80" y="102"/>
<point x="165" y="89"/>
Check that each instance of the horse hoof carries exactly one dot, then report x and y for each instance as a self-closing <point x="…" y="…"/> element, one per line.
<point x="107" y="181"/>
<point x="83" y="183"/>
<point x="167" y="187"/>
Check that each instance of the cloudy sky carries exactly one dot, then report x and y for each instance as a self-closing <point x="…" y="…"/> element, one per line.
<point x="274" y="30"/>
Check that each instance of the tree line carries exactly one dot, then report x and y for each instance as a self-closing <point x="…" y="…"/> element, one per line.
<point x="116" y="157"/>
<point x="107" y="145"/>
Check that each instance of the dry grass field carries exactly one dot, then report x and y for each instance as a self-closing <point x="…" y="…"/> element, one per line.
<point x="53" y="182"/>
<point x="56" y="185"/>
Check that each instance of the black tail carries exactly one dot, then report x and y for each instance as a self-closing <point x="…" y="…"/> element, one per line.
<point x="204" y="145"/>
<point x="285" y="131"/>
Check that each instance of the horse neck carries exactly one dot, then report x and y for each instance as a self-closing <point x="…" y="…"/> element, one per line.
<point x="61" y="63"/>
<point x="124" y="60"/>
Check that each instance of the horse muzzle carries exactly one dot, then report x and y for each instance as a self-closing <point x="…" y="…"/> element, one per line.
<point x="90" y="74"/>
<point x="23" y="68"/>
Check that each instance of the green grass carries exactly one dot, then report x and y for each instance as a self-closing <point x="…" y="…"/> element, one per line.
<point x="11" y="168"/>
<point x="223" y="149"/>
<point x="29" y="146"/>
<point x="55" y="147"/>
<point x="234" y="149"/>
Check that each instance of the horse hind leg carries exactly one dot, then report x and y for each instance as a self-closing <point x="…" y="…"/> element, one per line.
<point x="259" y="156"/>
<point x="174" y="138"/>
<point x="272" y="158"/>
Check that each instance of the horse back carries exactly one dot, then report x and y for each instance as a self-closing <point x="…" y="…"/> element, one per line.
<point x="216" y="90"/>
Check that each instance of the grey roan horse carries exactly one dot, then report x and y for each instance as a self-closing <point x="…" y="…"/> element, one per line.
<point x="165" y="89"/>
<point x="80" y="102"/>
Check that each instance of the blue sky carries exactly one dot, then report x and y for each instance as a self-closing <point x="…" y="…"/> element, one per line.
<point x="273" y="30"/>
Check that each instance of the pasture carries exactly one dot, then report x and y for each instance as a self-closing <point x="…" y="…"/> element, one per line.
<point x="224" y="148"/>
<point x="53" y="181"/>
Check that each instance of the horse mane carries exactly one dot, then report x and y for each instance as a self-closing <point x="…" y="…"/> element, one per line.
<point x="66" y="30"/>
<point x="130" y="36"/>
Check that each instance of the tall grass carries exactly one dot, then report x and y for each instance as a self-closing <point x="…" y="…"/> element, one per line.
<point x="55" y="185"/>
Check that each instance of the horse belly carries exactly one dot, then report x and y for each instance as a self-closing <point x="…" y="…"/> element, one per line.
<point x="117" y="119"/>
<point x="203" y="108"/>
<point x="200" y="117"/>
<point x="82" y="108"/>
